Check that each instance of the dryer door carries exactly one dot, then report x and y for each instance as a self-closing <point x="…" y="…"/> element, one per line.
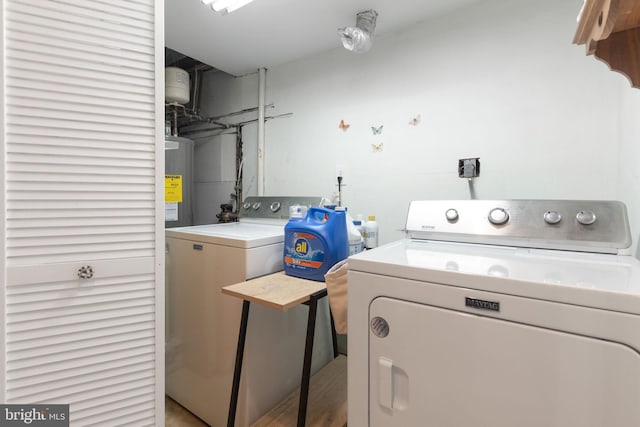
<point x="442" y="368"/>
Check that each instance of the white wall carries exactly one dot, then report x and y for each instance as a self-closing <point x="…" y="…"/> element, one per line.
<point x="215" y="158"/>
<point x="499" y="80"/>
<point x="214" y="176"/>
<point x="629" y="160"/>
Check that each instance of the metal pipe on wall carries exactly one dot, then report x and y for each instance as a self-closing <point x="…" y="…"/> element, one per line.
<point x="262" y="76"/>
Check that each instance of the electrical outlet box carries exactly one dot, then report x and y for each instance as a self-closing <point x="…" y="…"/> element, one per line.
<point x="469" y="168"/>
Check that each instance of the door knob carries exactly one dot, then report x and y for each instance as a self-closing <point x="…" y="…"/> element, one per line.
<point x="85" y="272"/>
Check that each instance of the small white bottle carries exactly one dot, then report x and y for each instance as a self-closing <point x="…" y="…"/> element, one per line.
<point x="356" y="242"/>
<point x="360" y="226"/>
<point x="371" y="233"/>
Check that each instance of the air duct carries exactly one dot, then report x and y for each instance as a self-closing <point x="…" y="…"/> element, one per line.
<point x="359" y="38"/>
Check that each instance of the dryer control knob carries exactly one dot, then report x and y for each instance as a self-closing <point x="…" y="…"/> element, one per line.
<point x="498" y="216"/>
<point x="552" y="217"/>
<point x="246" y="205"/>
<point x="256" y="206"/>
<point x="275" y="206"/>
<point x="452" y="215"/>
<point x="586" y="217"/>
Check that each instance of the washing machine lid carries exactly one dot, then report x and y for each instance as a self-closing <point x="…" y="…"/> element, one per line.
<point x="603" y="281"/>
<point x="234" y="234"/>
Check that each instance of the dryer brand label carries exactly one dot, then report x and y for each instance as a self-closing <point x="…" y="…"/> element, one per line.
<point x="482" y="304"/>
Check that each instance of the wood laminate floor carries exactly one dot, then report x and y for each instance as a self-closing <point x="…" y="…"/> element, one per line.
<point x="176" y="416"/>
<point x="327" y="403"/>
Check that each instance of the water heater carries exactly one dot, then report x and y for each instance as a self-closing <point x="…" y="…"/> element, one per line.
<point x="178" y="170"/>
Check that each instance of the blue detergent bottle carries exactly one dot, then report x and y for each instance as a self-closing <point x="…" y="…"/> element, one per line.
<point x="313" y="244"/>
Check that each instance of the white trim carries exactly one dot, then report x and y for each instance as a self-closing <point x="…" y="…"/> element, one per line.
<point x="159" y="226"/>
<point x="3" y="270"/>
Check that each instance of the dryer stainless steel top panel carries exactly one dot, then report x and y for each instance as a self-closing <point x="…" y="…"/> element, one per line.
<point x="577" y="225"/>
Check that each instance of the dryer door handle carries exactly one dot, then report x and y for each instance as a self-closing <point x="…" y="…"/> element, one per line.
<point x="385" y="382"/>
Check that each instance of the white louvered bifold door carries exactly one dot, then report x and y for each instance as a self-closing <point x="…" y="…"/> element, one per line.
<point x="80" y="150"/>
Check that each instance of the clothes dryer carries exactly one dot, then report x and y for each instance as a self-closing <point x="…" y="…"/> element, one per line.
<point x="498" y="314"/>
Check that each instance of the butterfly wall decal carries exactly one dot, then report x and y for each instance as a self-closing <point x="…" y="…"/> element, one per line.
<point x="415" y="121"/>
<point x="343" y="125"/>
<point x="376" y="147"/>
<point x="377" y="130"/>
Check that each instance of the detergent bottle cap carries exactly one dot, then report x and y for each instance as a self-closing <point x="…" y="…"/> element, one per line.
<point x="297" y="211"/>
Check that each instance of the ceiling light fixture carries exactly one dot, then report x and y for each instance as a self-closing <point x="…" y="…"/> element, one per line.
<point x="226" y="6"/>
<point x="359" y="38"/>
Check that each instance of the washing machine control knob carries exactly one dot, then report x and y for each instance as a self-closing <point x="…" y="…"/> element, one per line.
<point x="498" y="216"/>
<point x="256" y="206"/>
<point x="586" y="217"/>
<point x="552" y="217"/>
<point x="452" y="215"/>
<point x="275" y="207"/>
<point x="246" y="205"/>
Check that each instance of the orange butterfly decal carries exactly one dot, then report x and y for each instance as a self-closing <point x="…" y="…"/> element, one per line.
<point x="343" y="125"/>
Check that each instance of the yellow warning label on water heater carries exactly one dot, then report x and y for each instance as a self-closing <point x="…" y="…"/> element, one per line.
<point x="173" y="188"/>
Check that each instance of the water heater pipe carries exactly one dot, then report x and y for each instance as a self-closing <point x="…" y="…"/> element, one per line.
<point x="262" y="74"/>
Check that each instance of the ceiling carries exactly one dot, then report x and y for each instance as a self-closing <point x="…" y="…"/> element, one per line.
<point x="267" y="33"/>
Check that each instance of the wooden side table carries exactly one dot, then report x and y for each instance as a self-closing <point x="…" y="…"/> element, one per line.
<point x="280" y="292"/>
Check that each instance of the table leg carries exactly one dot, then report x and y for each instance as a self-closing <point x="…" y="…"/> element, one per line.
<point x="334" y="336"/>
<point x="231" y="419"/>
<point x="308" y="352"/>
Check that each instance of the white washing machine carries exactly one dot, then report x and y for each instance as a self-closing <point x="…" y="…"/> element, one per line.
<point x="498" y="314"/>
<point x="202" y="324"/>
